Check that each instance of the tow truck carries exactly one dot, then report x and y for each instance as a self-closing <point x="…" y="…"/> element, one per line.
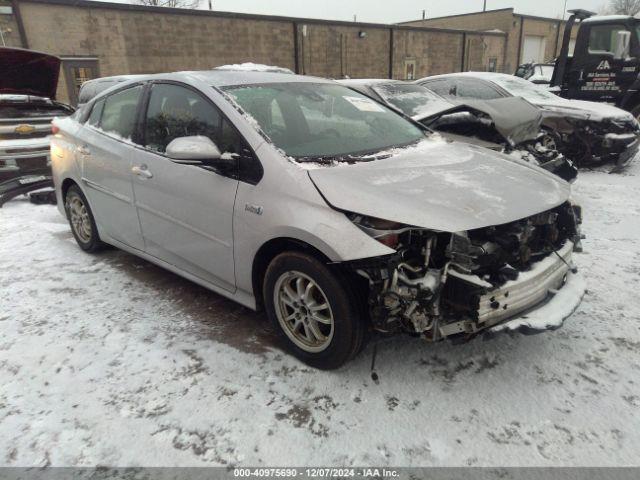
<point x="605" y="65"/>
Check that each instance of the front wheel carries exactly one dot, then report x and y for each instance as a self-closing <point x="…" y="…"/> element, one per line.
<point x="314" y="310"/>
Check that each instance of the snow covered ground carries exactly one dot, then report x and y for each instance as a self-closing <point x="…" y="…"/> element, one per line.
<point x="109" y="360"/>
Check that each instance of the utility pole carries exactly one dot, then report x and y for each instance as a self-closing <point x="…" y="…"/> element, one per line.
<point x="564" y="12"/>
<point x="484" y="8"/>
<point x="210" y="5"/>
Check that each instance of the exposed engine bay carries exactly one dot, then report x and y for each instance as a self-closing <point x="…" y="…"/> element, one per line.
<point x="442" y="285"/>
<point x="589" y="142"/>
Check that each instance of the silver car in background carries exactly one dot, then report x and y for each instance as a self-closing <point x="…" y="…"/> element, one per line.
<point x="331" y="211"/>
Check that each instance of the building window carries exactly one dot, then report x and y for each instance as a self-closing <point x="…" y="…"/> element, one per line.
<point x="493" y="64"/>
<point x="76" y="72"/>
<point x="409" y="69"/>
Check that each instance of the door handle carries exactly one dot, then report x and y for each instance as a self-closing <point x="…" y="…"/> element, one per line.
<point x="142" y="171"/>
<point x="84" y="150"/>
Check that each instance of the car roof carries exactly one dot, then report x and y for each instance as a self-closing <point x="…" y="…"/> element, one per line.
<point x="489" y="76"/>
<point x="368" y="81"/>
<point x="230" y="78"/>
<point x="607" y="18"/>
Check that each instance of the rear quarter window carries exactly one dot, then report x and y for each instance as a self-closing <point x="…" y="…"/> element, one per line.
<point x="119" y="112"/>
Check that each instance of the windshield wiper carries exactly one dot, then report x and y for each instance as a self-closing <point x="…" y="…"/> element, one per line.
<point x="342" y="158"/>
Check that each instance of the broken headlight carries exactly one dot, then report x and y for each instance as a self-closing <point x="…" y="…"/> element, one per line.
<point x="385" y="231"/>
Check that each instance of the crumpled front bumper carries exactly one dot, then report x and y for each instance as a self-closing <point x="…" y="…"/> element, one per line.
<point x="549" y="316"/>
<point x="539" y="299"/>
<point x="629" y="152"/>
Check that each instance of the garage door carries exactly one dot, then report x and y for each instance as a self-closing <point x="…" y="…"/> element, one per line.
<point x="534" y="48"/>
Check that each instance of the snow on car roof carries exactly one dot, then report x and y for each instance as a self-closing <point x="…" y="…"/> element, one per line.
<point x="254" y="67"/>
<point x="227" y="78"/>
<point x="485" y="75"/>
<point x="367" y="81"/>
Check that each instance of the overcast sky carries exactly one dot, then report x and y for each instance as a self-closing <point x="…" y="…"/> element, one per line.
<point x="390" y="11"/>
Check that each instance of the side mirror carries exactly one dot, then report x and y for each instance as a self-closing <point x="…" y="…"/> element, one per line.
<point x="196" y="150"/>
<point x="621" y="46"/>
<point x="200" y="151"/>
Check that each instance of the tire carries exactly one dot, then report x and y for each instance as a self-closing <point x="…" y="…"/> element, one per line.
<point x="81" y="220"/>
<point x="342" y="329"/>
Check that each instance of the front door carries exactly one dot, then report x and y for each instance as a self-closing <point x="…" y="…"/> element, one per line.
<point x="76" y="72"/>
<point x="594" y="73"/>
<point x="186" y="212"/>
<point x="105" y="146"/>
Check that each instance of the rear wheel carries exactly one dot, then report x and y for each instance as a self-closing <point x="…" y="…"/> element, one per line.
<point x="81" y="220"/>
<point x="314" y="310"/>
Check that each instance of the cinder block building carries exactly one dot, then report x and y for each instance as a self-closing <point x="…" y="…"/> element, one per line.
<point x="528" y="38"/>
<point x="101" y="39"/>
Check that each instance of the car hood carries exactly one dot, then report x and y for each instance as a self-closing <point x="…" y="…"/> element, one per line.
<point x="584" y="110"/>
<point x="443" y="186"/>
<point x="26" y="72"/>
<point x="515" y="118"/>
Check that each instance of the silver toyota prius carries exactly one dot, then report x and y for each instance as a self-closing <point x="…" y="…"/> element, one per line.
<point x="332" y="212"/>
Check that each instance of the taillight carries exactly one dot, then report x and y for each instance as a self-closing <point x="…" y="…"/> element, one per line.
<point x="54" y="129"/>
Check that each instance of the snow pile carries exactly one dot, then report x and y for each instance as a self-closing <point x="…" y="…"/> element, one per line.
<point x="108" y="360"/>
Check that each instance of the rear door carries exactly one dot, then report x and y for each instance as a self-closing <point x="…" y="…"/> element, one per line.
<point x="105" y="151"/>
<point x="186" y="211"/>
<point x="594" y="74"/>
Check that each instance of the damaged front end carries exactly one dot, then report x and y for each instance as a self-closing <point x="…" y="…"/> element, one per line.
<point x="590" y="142"/>
<point x="445" y="285"/>
<point x="524" y="141"/>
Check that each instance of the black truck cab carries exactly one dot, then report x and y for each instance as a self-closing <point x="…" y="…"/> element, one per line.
<point x="605" y="66"/>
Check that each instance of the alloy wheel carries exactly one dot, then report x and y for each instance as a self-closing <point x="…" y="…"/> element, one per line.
<point x="303" y="311"/>
<point x="80" y="220"/>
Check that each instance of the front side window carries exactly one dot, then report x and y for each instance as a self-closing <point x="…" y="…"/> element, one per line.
<point x="308" y="120"/>
<point x="602" y="38"/>
<point x="175" y="111"/>
<point x="119" y="113"/>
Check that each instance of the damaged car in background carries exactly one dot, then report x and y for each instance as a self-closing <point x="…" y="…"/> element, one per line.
<point x="333" y="212"/>
<point x="28" y="85"/>
<point x="508" y="125"/>
<point x="588" y="133"/>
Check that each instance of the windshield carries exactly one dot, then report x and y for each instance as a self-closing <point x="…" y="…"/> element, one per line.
<point x="523" y="88"/>
<point x="412" y="100"/>
<point x="308" y="120"/>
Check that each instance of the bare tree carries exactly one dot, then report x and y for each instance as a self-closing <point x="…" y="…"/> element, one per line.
<point x="624" y="7"/>
<point x="171" y="3"/>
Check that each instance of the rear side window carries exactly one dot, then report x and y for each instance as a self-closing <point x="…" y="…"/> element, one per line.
<point x="119" y="112"/>
<point x="444" y="88"/>
<point x="476" y="89"/>
<point x="96" y="113"/>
